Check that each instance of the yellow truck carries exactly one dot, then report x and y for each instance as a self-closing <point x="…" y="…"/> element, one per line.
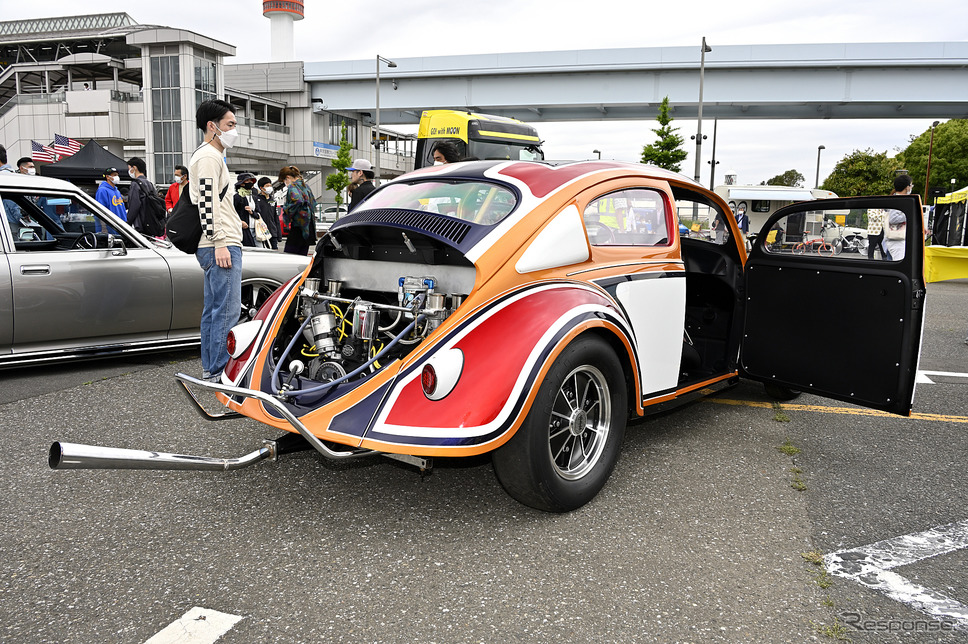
<point x="476" y="136"/>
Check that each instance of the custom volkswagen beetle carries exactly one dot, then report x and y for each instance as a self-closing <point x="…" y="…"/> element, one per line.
<point x="527" y="309"/>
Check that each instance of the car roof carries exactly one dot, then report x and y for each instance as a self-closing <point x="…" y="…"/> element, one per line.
<point x="26" y="181"/>
<point x="545" y="173"/>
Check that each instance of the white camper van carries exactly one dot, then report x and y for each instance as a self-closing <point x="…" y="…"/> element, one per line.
<point x="760" y="202"/>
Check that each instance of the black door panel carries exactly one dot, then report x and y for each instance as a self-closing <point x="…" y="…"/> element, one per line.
<point x="835" y="323"/>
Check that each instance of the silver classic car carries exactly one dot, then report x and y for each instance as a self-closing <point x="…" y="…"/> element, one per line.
<point x="77" y="282"/>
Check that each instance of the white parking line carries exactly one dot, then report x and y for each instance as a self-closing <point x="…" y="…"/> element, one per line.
<point x="197" y="626"/>
<point x="923" y="378"/>
<point x="870" y="566"/>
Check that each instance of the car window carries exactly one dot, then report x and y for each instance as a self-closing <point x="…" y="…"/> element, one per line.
<point x="861" y="233"/>
<point x="630" y="217"/>
<point x="54" y="222"/>
<point x="475" y="201"/>
<point x="702" y="221"/>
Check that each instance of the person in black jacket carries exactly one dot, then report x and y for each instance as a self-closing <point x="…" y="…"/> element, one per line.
<point x="361" y="176"/>
<point x="266" y="207"/>
<point x="140" y="188"/>
<point x="244" y="204"/>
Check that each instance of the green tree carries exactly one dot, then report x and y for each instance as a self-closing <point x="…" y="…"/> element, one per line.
<point x="338" y="180"/>
<point x="790" y="178"/>
<point x="667" y="152"/>
<point x="948" y="158"/>
<point x="862" y="172"/>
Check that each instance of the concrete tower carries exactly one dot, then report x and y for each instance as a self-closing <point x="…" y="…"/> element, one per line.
<point x="282" y="13"/>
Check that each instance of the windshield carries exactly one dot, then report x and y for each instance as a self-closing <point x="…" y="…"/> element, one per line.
<point x="474" y="201"/>
<point x="504" y="150"/>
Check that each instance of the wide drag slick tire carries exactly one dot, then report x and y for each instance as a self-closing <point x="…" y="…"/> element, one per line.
<point x="567" y="447"/>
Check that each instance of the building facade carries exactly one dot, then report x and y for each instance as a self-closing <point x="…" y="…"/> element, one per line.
<point x="135" y="88"/>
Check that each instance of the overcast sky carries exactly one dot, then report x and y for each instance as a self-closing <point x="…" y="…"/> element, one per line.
<point x="756" y="150"/>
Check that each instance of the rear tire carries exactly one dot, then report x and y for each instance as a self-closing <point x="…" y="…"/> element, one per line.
<point x="567" y="447"/>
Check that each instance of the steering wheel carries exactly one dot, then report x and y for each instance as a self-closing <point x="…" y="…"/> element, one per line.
<point x="85" y="240"/>
<point x="604" y="232"/>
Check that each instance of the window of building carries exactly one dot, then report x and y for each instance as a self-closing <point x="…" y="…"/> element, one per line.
<point x="336" y="126"/>
<point x="276" y="115"/>
<point x="166" y="115"/>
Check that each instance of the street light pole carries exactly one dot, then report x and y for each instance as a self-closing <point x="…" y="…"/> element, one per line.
<point x="816" y="184"/>
<point x="390" y="63"/>
<point x="713" y="162"/>
<point x="599" y="153"/>
<point x="927" y="175"/>
<point x="702" y="72"/>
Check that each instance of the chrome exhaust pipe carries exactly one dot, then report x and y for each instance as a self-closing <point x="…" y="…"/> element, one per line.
<point x="74" y="456"/>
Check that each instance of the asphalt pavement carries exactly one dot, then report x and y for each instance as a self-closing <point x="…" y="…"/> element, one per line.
<point x="699" y="536"/>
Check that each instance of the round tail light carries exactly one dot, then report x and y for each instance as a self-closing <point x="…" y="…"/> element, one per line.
<point x="428" y="379"/>
<point x="230" y="343"/>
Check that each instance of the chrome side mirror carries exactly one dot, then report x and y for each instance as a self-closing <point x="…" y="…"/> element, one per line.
<point x="116" y="244"/>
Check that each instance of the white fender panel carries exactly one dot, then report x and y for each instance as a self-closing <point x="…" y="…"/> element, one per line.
<point x="657" y="311"/>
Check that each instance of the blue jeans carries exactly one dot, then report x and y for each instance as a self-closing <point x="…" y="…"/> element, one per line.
<point x="221" y="308"/>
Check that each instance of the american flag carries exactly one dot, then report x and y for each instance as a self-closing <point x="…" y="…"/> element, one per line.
<point x="65" y="145"/>
<point x="40" y="152"/>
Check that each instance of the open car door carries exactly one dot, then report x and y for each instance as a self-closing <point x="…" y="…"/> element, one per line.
<point x="829" y="311"/>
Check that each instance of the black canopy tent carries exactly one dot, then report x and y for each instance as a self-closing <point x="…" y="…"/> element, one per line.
<point x="87" y="165"/>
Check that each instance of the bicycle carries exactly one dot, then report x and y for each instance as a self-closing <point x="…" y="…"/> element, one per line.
<point x="818" y="245"/>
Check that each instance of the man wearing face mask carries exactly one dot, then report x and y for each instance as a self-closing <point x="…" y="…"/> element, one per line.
<point x="109" y="196"/>
<point x="220" y="247"/>
<point x="137" y="194"/>
<point x="25" y="165"/>
<point x="445" y="152"/>
<point x="244" y="204"/>
<point x="175" y="189"/>
<point x="266" y="207"/>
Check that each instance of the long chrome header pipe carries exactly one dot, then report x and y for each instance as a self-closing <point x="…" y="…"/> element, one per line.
<point x="74" y="456"/>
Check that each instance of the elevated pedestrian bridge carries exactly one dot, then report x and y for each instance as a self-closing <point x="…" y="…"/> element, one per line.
<point x="795" y="81"/>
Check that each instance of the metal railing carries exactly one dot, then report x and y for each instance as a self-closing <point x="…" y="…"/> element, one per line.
<point x="32" y="99"/>
<point x="263" y="125"/>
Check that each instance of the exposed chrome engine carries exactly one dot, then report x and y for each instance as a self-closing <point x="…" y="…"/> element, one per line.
<point x="343" y="333"/>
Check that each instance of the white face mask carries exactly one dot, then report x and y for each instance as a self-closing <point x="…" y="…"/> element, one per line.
<point x="31" y="170"/>
<point x="268" y="190"/>
<point x="227" y="138"/>
<point x="114" y="178"/>
<point x="438" y="163"/>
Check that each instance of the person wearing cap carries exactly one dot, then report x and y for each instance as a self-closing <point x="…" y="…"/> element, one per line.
<point x="109" y="196"/>
<point x="361" y="177"/>
<point x="266" y="207"/>
<point x="245" y="206"/>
